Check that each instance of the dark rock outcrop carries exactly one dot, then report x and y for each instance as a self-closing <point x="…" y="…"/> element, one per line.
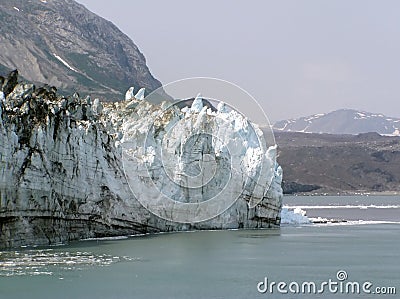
<point x="293" y="188"/>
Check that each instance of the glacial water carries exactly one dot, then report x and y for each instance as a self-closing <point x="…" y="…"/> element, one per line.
<point x="220" y="264"/>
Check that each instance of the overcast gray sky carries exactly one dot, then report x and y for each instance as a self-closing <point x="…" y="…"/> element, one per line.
<point x="295" y="57"/>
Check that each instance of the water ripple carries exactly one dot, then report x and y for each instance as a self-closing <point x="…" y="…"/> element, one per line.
<point x="49" y="261"/>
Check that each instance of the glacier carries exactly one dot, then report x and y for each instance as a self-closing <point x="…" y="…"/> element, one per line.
<point x="74" y="168"/>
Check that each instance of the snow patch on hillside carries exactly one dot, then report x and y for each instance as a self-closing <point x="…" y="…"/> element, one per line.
<point x="64" y="62"/>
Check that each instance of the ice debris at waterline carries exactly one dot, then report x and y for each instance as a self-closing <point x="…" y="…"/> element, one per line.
<point x="294" y="216"/>
<point x="62" y="176"/>
<point x="297" y="216"/>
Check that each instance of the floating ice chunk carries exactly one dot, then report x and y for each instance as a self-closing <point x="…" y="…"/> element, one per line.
<point x="2" y="98"/>
<point x="129" y="94"/>
<point x="294" y="216"/>
<point x="140" y="94"/>
<point x="197" y="104"/>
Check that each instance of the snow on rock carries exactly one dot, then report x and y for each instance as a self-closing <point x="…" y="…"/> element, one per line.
<point x="64" y="62"/>
<point x="63" y="172"/>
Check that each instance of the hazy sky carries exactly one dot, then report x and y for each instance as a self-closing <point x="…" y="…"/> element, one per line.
<point x="295" y="57"/>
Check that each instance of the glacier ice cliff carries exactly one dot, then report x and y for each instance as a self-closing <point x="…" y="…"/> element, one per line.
<point x="63" y="178"/>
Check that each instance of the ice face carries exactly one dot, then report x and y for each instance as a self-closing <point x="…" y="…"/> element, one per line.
<point x="70" y="164"/>
<point x="191" y="165"/>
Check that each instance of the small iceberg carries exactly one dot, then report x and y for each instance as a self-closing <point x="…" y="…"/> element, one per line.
<point x="294" y="216"/>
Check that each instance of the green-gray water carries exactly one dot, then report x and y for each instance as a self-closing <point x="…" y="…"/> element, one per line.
<point x="208" y="264"/>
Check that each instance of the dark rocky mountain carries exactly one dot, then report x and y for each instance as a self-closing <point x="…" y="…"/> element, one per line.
<point x="344" y="164"/>
<point x="344" y="121"/>
<point x="61" y="43"/>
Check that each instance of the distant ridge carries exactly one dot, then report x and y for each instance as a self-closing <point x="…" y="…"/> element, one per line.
<point x="343" y="121"/>
<point x="338" y="164"/>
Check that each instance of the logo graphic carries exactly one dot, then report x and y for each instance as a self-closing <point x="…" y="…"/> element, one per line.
<point x="341" y="275"/>
<point x="198" y="152"/>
